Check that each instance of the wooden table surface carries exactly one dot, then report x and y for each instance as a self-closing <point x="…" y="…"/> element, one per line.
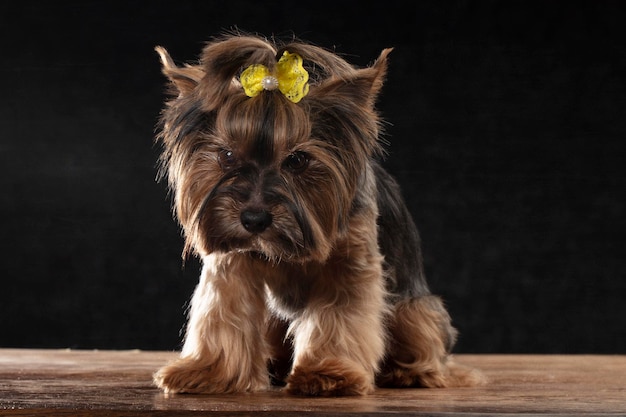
<point x="118" y="383"/>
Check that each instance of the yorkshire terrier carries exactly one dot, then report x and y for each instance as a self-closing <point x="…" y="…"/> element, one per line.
<point x="312" y="273"/>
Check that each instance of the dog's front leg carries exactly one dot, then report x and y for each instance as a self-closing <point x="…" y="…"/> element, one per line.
<point x="224" y="349"/>
<point x="339" y="338"/>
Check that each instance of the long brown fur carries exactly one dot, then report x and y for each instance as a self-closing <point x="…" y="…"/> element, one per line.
<point x="304" y="290"/>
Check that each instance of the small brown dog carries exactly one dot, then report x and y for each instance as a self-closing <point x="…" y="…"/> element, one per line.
<point x="312" y="269"/>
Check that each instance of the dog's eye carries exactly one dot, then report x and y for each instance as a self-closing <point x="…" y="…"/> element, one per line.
<point x="226" y="159"/>
<point x="296" y="162"/>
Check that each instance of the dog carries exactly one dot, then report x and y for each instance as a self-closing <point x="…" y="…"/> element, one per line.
<point x="312" y="275"/>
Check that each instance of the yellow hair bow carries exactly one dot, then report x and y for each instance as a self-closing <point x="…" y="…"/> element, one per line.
<point x="291" y="78"/>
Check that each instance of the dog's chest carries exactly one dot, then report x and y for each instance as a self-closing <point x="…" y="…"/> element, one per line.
<point x="289" y="291"/>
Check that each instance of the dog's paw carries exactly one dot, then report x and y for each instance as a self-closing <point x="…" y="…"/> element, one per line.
<point x="194" y="377"/>
<point x="186" y="376"/>
<point x="329" y="378"/>
<point x="448" y="375"/>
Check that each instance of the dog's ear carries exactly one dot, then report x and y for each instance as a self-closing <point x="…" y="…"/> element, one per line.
<point x="361" y="87"/>
<point x="377" y="73"/>
<point x="183" y="79"/>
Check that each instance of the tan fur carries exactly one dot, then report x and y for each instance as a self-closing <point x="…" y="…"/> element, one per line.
<point x="339" y="339"/>
<point x="418" y="355"/>
<point x="308" y="287"/>
<point x="224" y="349"/>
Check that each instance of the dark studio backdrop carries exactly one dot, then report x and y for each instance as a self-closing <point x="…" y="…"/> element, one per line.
<point x="507" y="123"/>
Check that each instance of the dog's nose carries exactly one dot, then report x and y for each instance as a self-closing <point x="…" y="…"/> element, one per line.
<point x="256" y="221"/>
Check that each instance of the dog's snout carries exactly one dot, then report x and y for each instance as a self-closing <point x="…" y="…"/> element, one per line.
<point x="256" y="221"/>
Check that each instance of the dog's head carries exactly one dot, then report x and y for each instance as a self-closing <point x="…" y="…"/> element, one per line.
<point x="265" y="171"/>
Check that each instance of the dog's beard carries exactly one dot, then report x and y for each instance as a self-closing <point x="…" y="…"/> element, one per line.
<point x="220" y="230"/>
<point x="218" y="225"/>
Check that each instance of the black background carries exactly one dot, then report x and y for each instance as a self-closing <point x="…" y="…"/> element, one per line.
<point x="507" y="123"/>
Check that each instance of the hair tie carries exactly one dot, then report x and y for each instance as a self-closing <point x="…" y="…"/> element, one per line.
<point x="290" y="78"/>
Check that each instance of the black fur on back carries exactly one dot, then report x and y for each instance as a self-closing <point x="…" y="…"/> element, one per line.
<point x="398" y="239"/>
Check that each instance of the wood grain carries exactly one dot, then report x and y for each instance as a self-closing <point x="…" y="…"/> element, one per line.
<point x="118" y="383"/>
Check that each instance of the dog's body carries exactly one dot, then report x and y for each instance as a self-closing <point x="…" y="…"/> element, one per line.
<point x="312" y="265"/>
